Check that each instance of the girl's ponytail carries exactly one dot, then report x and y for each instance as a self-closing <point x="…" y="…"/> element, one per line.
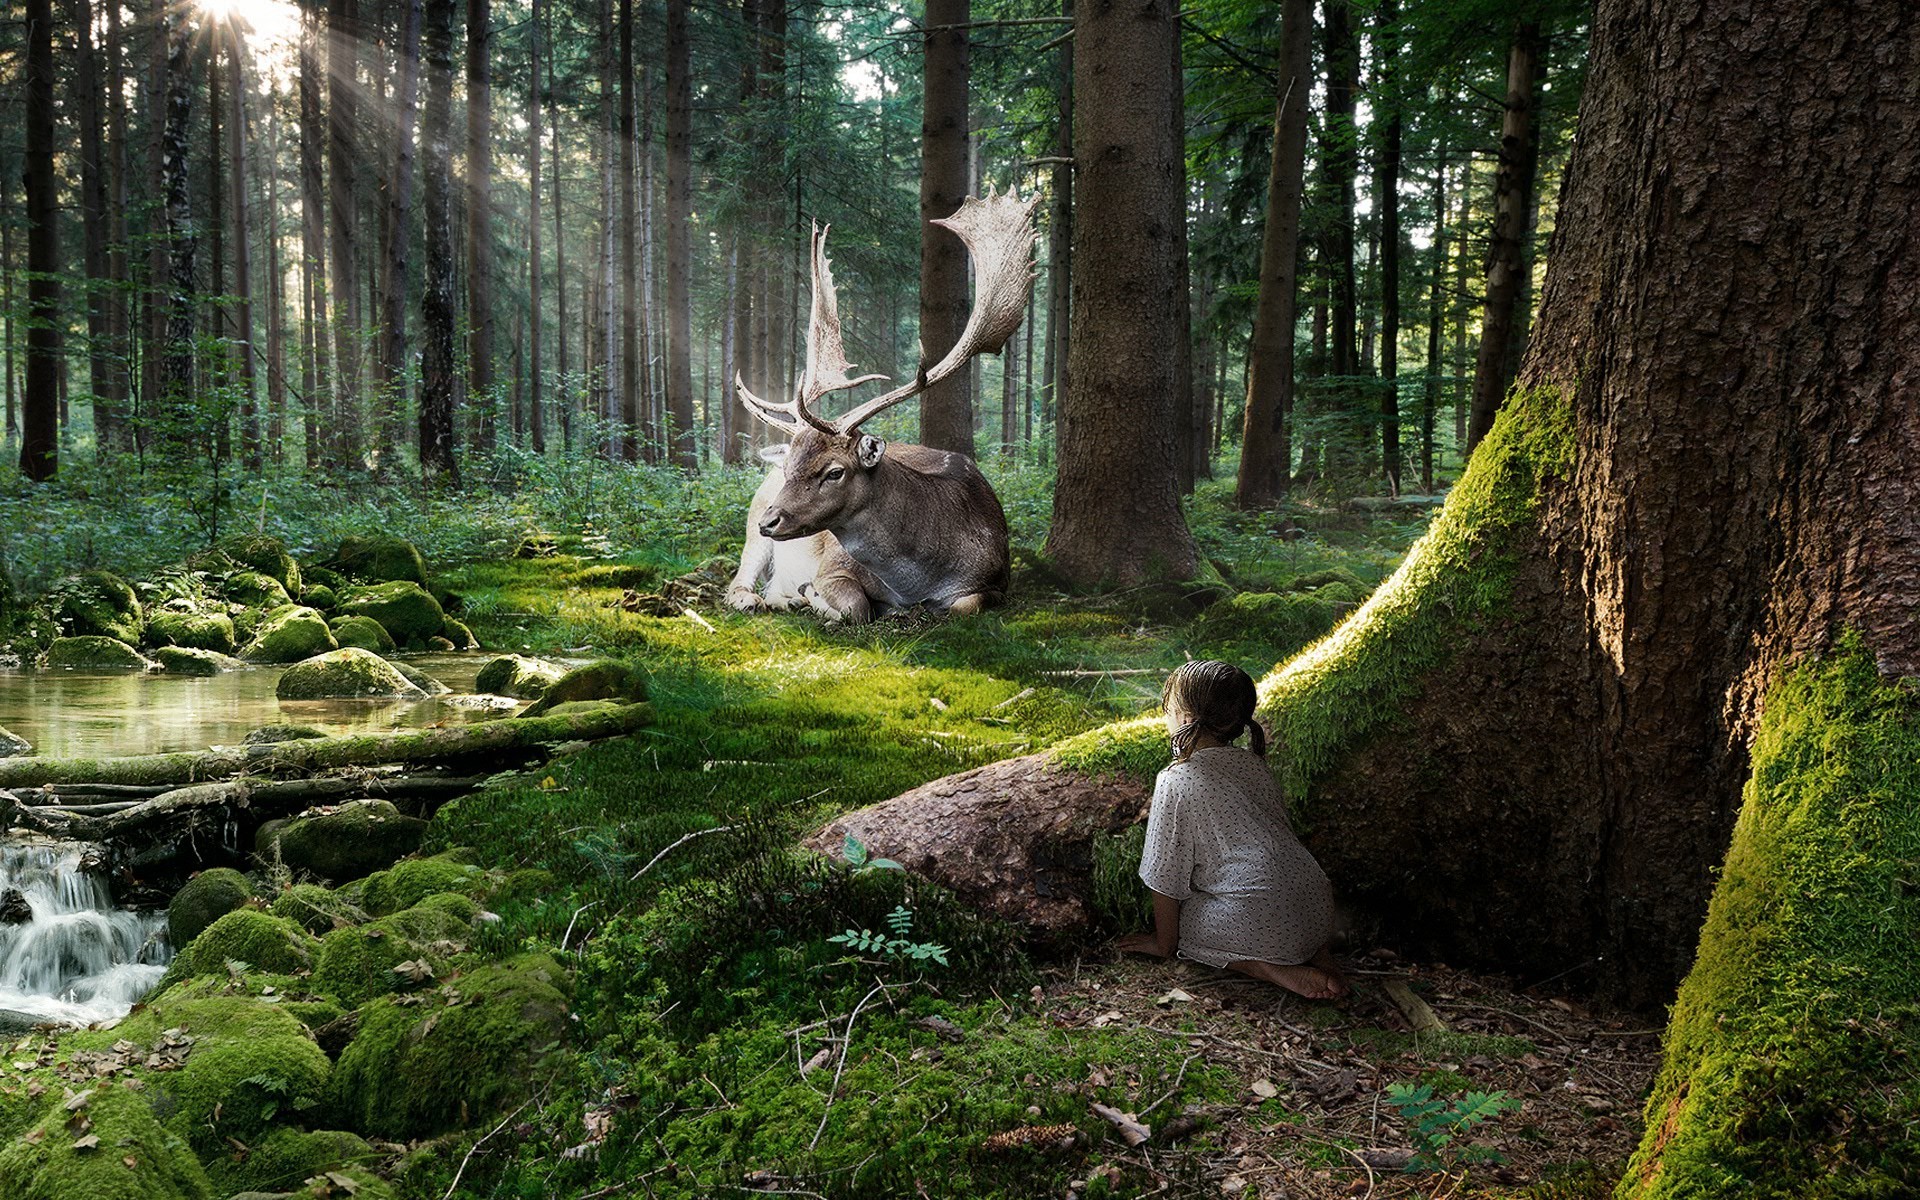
<point x="1257" y="738"/>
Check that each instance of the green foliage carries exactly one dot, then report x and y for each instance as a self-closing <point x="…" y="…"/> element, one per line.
<point x="1435" y="1123"/>
<point x="407" y="883"/>
<point x="1789" y="1066"/>
<point x="250" y="936"/>
<point x="1121" y="902"/>
<point x="203" y="900"/>
<point x="898" y="943"/>
<point x="132" y="1157"/>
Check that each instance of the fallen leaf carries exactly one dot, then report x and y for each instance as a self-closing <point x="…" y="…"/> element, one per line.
<point x="131" y="1161"/>
<point x="89" y="1142"/>
<point x="819" y="1060"/>
<point x="1265" y="1089"/>
<point x="1132" y="1132"/>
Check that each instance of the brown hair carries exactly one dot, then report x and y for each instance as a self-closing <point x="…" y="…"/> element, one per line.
<point x="1217" y="698"/>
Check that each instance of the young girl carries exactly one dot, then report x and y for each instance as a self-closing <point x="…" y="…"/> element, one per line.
<point x="1232" y="886"/>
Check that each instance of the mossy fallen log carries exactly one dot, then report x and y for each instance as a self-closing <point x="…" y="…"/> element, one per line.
<point x="311" y="755"/>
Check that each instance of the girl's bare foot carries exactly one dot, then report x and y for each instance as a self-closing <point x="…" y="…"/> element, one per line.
<point x="1304" y="979"/>
<point x="1323" y="958"/>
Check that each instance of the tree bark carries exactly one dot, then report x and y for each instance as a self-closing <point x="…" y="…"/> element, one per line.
<point x="244" y="347"/>
<point x="633" y="413"/>
<point x="1116" y="507"/>
<point x="536" y="417"/>
<point x="40" y="440"/>
<point x="437" y="423"/>
<point x="479" y="167"/>
<point x="394" y="293"/>
<point x="343" y="64"/>
<point x="1436" y="324"/>
<point x="1512" y="201"/>
<point x="316" y="344"/>
<point x="681" y="435"/>
<point x="946" y="408"/>
<point x="93" y="222"/>
<point x="1387" y="187"/>
<point x="118" y="303"/>
<point x="1345" y="397"/>
<point x="1060" y="253"/>
<point x="179" y="413"/>
<point x="1266" y="436"/>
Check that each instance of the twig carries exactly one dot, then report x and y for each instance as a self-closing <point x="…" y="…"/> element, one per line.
<point x="1361" y="1159"/>
<point x="455" y="1185"/>
<point x="570" y="920"/>
<point x="699" y="620"/>
<point x="1182" y="1074"/>
<point x="682" y="840"/>
<point x="846" y="1048"/>
<point x="1092" y="674"/>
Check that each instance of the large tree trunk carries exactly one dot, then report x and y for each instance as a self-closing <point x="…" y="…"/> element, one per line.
<point x="946" y="408"/>
<point x="681" y="435"/>
<point x="178" y="413"/>
<point x="40" y="444"/>
<point x="1512" y="203"/>
<point x="437" y="424"/>
<point x="1266" y="446"/>
<point x="479" y="167"/>
<point x="1116" y="507"/>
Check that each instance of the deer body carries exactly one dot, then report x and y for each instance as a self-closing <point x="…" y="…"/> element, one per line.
<point x="905" y="525"/>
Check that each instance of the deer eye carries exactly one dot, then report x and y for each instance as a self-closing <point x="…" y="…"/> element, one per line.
<point x="834" y="474"/>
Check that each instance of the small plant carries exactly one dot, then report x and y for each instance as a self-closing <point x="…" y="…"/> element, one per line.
<point x="900" y="945"/>
<point x="1434" y="1122"/>
<point x="859" y="858"/>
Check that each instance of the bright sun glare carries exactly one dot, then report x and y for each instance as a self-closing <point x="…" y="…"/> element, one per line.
<point x="264" y="21"/>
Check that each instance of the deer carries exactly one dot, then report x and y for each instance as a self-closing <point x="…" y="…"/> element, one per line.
<point x="856" y="527"/>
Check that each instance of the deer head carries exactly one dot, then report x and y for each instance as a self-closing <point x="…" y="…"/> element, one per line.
<point x="829" y="462"/>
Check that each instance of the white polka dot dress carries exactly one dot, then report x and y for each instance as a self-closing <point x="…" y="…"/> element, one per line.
<point x="1219" y="842"/>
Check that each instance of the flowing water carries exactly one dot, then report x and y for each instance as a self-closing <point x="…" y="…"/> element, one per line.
<point x="77" y="959"/>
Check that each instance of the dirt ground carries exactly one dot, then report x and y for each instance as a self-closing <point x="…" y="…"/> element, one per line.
<point x="1314" y="1119"/>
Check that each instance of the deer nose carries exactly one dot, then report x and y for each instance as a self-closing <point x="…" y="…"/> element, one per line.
<point x="770" y="524"/>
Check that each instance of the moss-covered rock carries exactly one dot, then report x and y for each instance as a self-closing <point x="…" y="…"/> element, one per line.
<point x="267" y="943"/>
<point x="408" y="883"/>
<point x="191" y="630"/>
<point x="93" y="650"/>
<point x="608" y="679"/>
<point x="12" y="744"/>
<point x="1276" y="624"/>
<point x="362" y="633"/>
<point x="320" y="596"/>
<point x="355" y="965"/>
<point x="179" y="660"/>
<point x="346" y="843"/>
<point x="422" y="680"/>
<point x="518" y="676"/>
<point x="132" y="1156"/>
<point x="380" y="559"/>
<point x="420" y="1069"/>
<point x="284" y="1160"/>
<point x="96" y="604"/>
<point x="408" y="613"/>
<point x="318" y="910"/>
<point x="289" y="634"/>
<point x="203" y="900"/>
<point x="254" y="590"/>
<point x="269" y="735"/>
<point x="345" y="674"/>
<point x="266" y="556"/>
<point x="460" y="637"/>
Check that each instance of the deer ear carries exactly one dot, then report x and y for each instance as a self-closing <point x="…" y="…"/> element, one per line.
<point x="868" y="450"/>
<point x="776" y="455"/>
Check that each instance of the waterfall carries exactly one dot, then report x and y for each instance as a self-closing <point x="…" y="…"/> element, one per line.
<point x="76" y="960"/>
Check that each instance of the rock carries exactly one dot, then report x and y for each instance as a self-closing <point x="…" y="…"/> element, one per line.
<point x="289" y="635"/>
<point x="409" y="883"/>
<point x="203" y="900"/>
<point x="440" y="645"/>
<point x="380" y="559"/>
<point x="354" y="839"/>
<point x="267" y="556"/>
<point x="12" y="744"/>
<point x="268" y="735"/>
<point x="1012" y="839"/>
<point x="266" y="943"/>
<point x="95" y="651"/>
<point x="97" y="603"/>
<point x="608" y="679"/>
<point x="137" y="1158"/>
<point x="364" y="633"/>
<point x="1277" y="624"/>
<point x="518" y="676"/>
<point x="255" y="590"/>
<point x="405" y="610"/>
<point x="14" y="909"/>
<point x="422" y="680"/>
<point x="458" y="634"/>
<point x="316" y="909"/>
<point x="192" y="630"/>
<point x="537" y="545"/>
<point x="345" y="674"/>
<point x="179" y="660"/>
<point x="320" y="596"/>
<point x="287" y="1155"/>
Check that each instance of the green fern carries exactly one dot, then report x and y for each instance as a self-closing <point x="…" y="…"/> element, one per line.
<point x="1434" y="1122"/>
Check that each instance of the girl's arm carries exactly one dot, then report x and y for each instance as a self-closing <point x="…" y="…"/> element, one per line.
<point x="1165" y="938"/>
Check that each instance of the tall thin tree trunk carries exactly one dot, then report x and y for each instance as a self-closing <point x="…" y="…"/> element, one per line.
<point x="607" y="385"/>
<point x="1187" y="438"/>
<point x="1266" y="445"/>
<point x="536" y="417"/>
<point x="437" y="418"/>
<point x="40" y="444"/>
<point x="633" y="413"/>
<point x="177" y="408"/>
<point x="1512" y="200"/>
<point x="317" y="382"/>
<point x="480" y="306"/>
<point x="242" y="267"/>
<point x="1342" y="152"/>
<point x="276" y="294"/>
<point x="679" y="396"/>
<point x="1059" y="366"/>
<point x="1436" y="323"/>
<point x="946" y="409"/>
<point x="343" y="59"/>
<point x="1387" y="186"/>
<point x="6" y="316"/>
<point x="93" y="224"/>
<point x="392" y="360"/>
<point x="119" y="277"/>
<point x="559" y="270"/>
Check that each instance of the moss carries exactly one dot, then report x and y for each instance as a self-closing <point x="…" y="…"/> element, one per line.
<point x="288" y="635"/>
<point x="422" y="680"/>
<point x="1348" y="686"/>
<point x="346" y="673"/>
<point x="1261" y="623"/>
<point x="355" y="965"/>
<point x="420" y="1069"/>
<point x="460" y="636"/>
<point x="410" y="882"/>
<point x="268" y="735"/>
<point x="1789" y="1058"/>
<point x="608" y="679"/>
<point x="408" y="613"/>
<point x="191" y="630"/>
<point x="1120" y="901"/>
<point x="379" y="559"/>
<point x="517" y="676"/>
<point x="95" y="651"/>
<point x="344" y="842"/>
<point x="250" y="936"/>
<point x="135" y="1157"/>
<point x="320" y="596"/>
<point x="363" y="633"/>
<point x="316" y="909"/>
<point x="254" y="590"/>
<point x="203" y="900"/>
<point x="1451" y="1044"/>
<point x="96" y="604"/>
<point x="179" y="660"/>
<point x="266" y="556"/>
<point x="286" y="1158"/>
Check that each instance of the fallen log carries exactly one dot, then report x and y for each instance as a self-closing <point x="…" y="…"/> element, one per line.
<point x="310" y="755"/>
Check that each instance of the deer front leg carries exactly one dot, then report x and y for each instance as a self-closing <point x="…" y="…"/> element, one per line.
<point x="842" y="589"/>
<point x="974" y="602"/>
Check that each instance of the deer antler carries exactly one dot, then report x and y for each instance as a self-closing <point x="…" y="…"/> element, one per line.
<point x="999" y="234"/>
<point x="826" y="359"/>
